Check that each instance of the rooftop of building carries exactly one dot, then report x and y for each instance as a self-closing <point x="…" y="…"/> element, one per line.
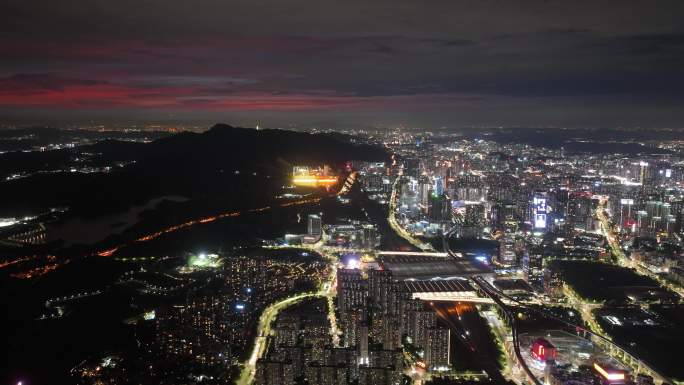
<point x="405" y="267"/>
<point x="438" y="286"/>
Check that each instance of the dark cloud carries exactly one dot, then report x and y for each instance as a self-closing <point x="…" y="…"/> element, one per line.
<point x="666" y="44"/>
<point x="44" y="81"/>
<point x="382" y="48"/>
<point x="538" y="61"/>
<point x="457" y="42"/>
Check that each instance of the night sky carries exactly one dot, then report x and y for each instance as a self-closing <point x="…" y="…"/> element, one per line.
<point x="345" y="63"/>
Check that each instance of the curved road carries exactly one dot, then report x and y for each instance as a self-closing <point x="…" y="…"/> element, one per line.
<point x="495" y="295"/>
<point x="392" y="219"/>
<point x="614" y="243"/>
<point x="271" y="312"/>
<point x="263" y="331"/>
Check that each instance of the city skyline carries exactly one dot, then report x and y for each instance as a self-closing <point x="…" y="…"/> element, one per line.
<point x="257" y="256"/>
<point x="384" y="192"/>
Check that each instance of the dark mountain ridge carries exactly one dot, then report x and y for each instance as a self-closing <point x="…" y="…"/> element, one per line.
<point x="193" y="165"/>
<point x="225" y="146"/>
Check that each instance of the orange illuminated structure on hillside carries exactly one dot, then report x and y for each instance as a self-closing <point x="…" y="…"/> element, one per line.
<point x="305" y="176"/>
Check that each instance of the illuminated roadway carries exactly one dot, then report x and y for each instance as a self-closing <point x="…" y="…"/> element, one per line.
<point x="614" y="244"/>
<point x="392" y="218"/>
<point x="585" y="309"/>
<point x="263" y="331"/>
<point x="497" y="296"/>
<point x="346" y="186"/>
<point x="201" y="221"/>
<point x="269" y="315"/>
<point x="344" y="189"/>
<point x="271" y="312"/>
<point x="52" y="264"/>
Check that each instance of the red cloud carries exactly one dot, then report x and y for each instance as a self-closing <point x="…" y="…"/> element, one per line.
<point x="45" y="90"/>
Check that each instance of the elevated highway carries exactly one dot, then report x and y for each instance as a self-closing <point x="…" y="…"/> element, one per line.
<point x="488" y="290"/>
<point x="503" y="301"/>
<point x="395" y="225"/>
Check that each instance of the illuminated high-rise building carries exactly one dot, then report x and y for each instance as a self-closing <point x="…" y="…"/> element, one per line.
<point x="507" y="255"/>
<point x="625" y="213"/>
<point x="440" y="208"/>
<point x="352" y="290"/>
<point x="380" y="287"/>
<point x="540" y="209"/>
<point x="315" y="226"/>
<point x="470" y="220"/>
<point x="470" y="187"/>
<point x="504" y="216"/>
<point x="274" y="373"/>
<point x="438" y="347"/>
<point x="532" y="267"/>
<point x="439" y="186"/>
<point x="580" y="211"/>
<point x="424" y="187"/>
<point x="421" y="322"/>
<point x="352" y="296"/>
